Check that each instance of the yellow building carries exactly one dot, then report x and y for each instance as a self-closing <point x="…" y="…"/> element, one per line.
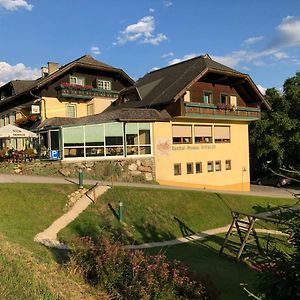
<point x="80" y="88"/>
<point x="205" y="143"/>
<point x="190" y="119"/>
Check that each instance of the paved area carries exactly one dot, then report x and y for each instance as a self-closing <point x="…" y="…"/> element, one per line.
<point x="196" y="237"/>
<point x="256" y="190"/>
<point x="49" y="236"/>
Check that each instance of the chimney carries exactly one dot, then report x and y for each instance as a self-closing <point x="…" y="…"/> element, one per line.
<point x="52" y="67"/>
<point x="44" y="71"/>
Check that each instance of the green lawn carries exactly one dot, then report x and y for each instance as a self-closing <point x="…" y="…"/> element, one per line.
<point x="27" y="209"/>
<point x="149" y="216"/>
<point x="203" y="258"/>
<point x="29" y="270"/>
<point x="155" y="215"/>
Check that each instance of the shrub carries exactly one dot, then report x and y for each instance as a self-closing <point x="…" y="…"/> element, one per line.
<point x="127" y="274"/>
<point x="280" y="278"/>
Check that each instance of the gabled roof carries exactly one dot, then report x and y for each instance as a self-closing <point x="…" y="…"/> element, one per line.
<point x="162" y="86"/>
<point x="21" y="85"/>
<point x="86" y="61"/>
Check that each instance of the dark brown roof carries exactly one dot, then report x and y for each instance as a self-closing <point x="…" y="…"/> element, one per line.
<point x="21" y="85"/>
<point x="162" y="86"/>
<point x="84" y="61"/>
<point x="122" y="115"/>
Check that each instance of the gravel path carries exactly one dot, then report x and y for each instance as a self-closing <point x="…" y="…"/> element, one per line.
<point x="49" y="236"/>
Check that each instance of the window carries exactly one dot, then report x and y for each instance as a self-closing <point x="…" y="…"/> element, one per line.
<point x="218" y="165"/>
<point x="76" y="80"/>
<point x="13" y="118"/>
<point x="228" y="164"/>
<point x="71" y="111"/>
<point x="177" y="169"/>
<point x="233" y="101"/>
<point x="182" y="134"/>
<point x="198" y="167"/>
<point x="103" y="84"/>
<point x="90" y="109"/>
<point x="3" y="121"/>
<point x="94" y="140"/>
<point x="114" y="139"/>
<point x="189" y="168"/>
<point x="222" y="134"/>
<point x="224" y="98"/>
<point x="2" y="96"/>
<point x="207" y="97"/>
<point x="137" y="138"/>
<point x="210" y="166"/>
<point x="6" y="120"/>
<point x="73" y="141"/>
<point x="203" y="134"/>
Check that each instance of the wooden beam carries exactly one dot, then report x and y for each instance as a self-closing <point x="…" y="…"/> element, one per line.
<point x="222" y="78"/>
<point x="238" y="82"/>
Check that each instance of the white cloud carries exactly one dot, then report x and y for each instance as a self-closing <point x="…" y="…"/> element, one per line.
<point x="95" y="50"/>
<point x="288" y="33"/>
<point x="185" y="57"/>
<point x="155" y="40"/>
<point x="281" y="55"/>
<point x="246" y="68"/>
<point x="142" y="31"/>
<point x="151" y="10"/>
<point x="19" y="71"/>
<point x="253" y="40"/>
<point x="15" y="4"/>
<point x="167" y="3"/>
<point x="167" y="55"/>
<point x="153" y="69"/>
<point x="261" y="89"/>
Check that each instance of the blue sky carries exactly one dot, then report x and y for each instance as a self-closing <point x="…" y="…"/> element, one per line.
<point x="257" y="37"/>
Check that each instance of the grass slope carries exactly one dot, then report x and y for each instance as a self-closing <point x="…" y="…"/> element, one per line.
<point x="29" y="270"/>
<point x="156" y="215"/>
<point x="27" y="209"/>
<point x="149" y="216"/>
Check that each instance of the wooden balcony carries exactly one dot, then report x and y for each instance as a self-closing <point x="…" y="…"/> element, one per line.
<point x="221" y="111"/>
<point x="66" y="90"/>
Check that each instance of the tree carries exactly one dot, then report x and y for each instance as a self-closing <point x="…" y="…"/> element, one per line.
<point x="276" y="137"/>
<point x="281" y="280"/>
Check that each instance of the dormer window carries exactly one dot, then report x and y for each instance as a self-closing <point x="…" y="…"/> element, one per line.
<point x="103" y="84"/>
<point x="207" y="97"/>
<point x="2" y="96"/>
<point x="224" y="98"/>
<point x="76" y="80"/>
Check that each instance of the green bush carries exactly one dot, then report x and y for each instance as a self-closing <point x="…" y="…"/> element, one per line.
<point x="280" y="277"/>
<point x="127" y="274"/>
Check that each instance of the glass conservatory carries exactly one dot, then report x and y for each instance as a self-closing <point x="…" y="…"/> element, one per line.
<point x="107" y="140"/>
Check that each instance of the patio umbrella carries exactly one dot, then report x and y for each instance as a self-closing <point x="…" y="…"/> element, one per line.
<point x="11" y="131"/>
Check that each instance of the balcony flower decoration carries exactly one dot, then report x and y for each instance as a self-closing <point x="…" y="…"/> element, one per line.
<point x="225" y="106"/>
<point x="75" y="86"/>
<point x="222" y="106"/>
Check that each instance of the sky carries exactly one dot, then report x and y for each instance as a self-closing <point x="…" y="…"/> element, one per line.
<point x="257" y="37"/>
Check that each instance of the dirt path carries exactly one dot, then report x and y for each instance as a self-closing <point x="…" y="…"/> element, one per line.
<point x="49" y="236"/>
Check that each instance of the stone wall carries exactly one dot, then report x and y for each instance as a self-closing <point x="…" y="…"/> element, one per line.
<point x="129" y="170"/>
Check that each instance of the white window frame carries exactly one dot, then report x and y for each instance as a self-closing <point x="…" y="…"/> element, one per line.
<point x="75" y="110"/>
<point x="104" y="84"/>
<point x="77" y="80"/>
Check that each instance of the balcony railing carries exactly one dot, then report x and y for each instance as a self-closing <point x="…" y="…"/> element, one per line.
<point x="88" y="92"/>
<point x="221" y="111"/>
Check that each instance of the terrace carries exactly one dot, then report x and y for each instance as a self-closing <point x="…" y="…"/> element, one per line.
<point x="88" y="92"/>
<point x="220" y="111"/>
